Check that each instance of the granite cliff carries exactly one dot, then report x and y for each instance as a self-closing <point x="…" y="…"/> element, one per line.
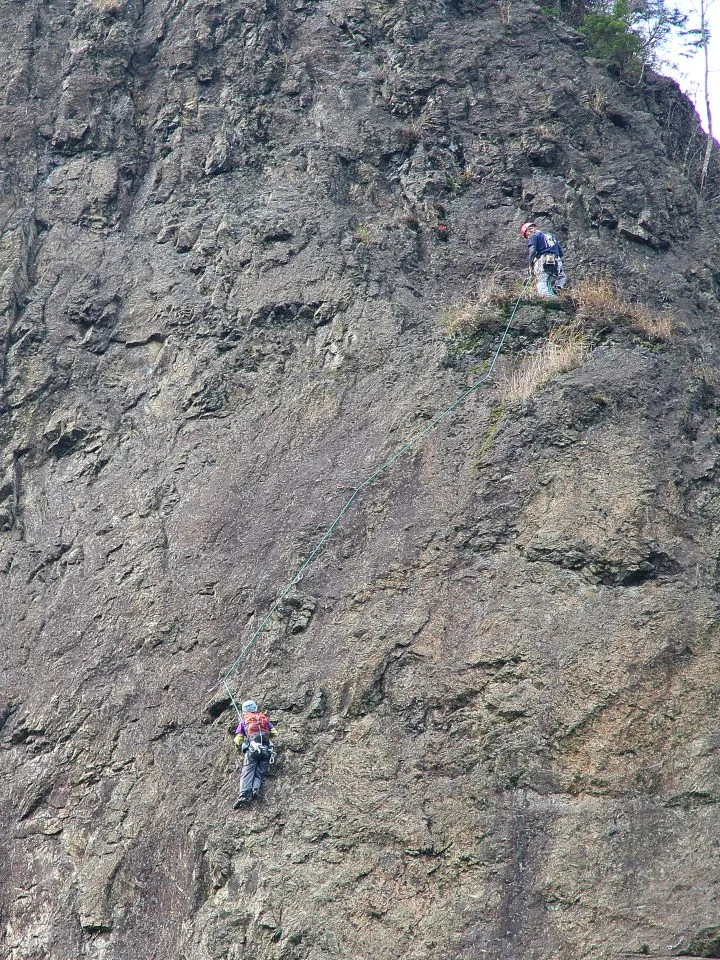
<point x="229" y="234"/>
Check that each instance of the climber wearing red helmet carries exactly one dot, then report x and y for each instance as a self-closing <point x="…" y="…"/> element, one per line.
<point x="545" y="255"/>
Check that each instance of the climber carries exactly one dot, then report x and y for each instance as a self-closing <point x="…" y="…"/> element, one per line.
<point x="254" y="737"/>
<point x="545" y="254"/>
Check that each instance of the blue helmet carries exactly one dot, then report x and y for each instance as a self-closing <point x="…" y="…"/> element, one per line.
<point x="249" y="706"/>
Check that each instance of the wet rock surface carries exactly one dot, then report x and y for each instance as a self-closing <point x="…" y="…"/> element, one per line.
<point x="227" y="234"/>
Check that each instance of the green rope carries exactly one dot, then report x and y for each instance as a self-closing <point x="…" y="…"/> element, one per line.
<point x="415" y="439"/>
<point x="232" y="698"/>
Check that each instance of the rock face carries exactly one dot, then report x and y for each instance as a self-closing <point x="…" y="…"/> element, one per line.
<point x="228" y="232"/>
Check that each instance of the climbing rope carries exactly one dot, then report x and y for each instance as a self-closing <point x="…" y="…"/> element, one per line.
<point x="413" y="441"/>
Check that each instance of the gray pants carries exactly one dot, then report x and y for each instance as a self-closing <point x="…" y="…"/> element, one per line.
<point x="254" y="770"/>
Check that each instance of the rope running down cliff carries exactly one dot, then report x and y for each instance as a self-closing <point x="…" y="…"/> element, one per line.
<point x="413" y="441"/>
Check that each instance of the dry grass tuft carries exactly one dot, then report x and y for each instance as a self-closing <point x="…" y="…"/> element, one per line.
<point x="651" y="326"/>
<point x="565" y="348"/>
<point x="505" y="8"/>
<point x="463" y="318"/>
<point x="594" y="302"/>
<point x="707" y="372"/>
<point x="111" y="7"/>
<point x="594" y="298"/>
<point x="599" y="101"/>
<point x="460" y="319"/>
<point x="597" y="302"/>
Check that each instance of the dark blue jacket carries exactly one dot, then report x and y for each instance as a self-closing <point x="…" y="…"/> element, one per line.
<point x="541" y="243"/>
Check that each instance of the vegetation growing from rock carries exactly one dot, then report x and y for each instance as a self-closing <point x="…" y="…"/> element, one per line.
<point x="610" y="36"/>
<point x="593" y="305"/>
<point x="626" y="37"/>
<point x="565" y="348"/>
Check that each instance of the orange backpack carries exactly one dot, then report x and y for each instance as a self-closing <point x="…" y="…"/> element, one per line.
<point x="256" y="723"/>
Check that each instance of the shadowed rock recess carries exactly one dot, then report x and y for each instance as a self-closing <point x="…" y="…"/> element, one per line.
<point x="228" y="232"/>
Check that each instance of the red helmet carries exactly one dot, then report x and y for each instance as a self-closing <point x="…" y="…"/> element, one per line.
<point x="526" y="226"/>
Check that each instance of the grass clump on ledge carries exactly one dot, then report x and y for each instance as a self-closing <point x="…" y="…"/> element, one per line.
<point x="596" y="301"/>
<point x="463" y="318"/>
<point x="565" y="348"/>
<point x="592" y="306"/>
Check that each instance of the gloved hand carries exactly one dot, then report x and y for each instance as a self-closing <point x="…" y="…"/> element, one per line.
<point x="239" y="741"/>
<point x="273" y="733"/>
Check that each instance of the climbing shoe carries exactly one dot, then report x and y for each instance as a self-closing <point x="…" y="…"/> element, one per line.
<point x="256" y="793"/>
<point x="243" y="798"/>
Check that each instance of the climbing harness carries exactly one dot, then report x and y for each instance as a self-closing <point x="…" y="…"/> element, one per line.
<point x="549" y="264"/>
<point x="317" y="549"/>
<point x="261" y="750"/>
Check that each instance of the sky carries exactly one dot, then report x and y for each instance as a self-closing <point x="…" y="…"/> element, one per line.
<point x="689" y="73"/>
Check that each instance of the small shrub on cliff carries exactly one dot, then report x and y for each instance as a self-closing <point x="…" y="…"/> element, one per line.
<point x="707" y="373"/>
<point x="610" y="37"/>
<point x="565" y="348"/>
<point x="629" y="36"/>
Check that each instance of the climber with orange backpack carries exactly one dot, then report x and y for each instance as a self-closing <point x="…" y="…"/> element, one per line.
<point x="254" y="737"/>
<point x="545" y="254"/>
